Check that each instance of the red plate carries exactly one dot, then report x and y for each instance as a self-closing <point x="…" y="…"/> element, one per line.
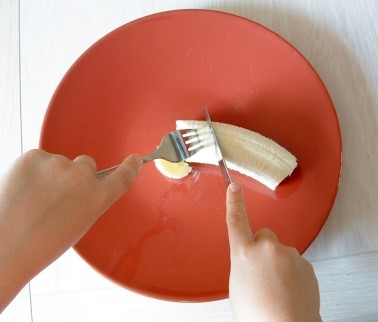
<point x="167" y="238"/>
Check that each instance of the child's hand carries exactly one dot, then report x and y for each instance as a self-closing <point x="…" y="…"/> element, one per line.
<point x="268" y="281"/>
<point x="47" y="203"/>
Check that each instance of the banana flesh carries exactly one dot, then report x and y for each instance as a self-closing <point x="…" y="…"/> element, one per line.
<point x="245" y="151"/>
<point x="173" y="170"/>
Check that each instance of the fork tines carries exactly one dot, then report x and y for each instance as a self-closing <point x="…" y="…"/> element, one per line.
<point x="197" y="139"/>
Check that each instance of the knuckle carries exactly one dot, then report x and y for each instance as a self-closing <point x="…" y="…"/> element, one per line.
<point x="269" y="246"/>
<point x="36" y="160"/>
<point x="33" y="153"/>
<point x="57" y="163"/>
<point x="236" y="217"/>
<point x="293" y="251"/>
<point x="308" y="266"/>
<point x="128" y="175"/>
<point x="82" y="170"/>
<point x="266" y="232"/>
<point x="31" y="156"/>
<point x="237" y="210"/>
<point x="243" y="253"/>
<point x="86" y="159"/>
<point x="237" y="198"/>
<point x="235" y="206"/>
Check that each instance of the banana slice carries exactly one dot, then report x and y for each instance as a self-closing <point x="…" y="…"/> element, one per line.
<point x="245" y="151"/>
<point x="173" y="170"/>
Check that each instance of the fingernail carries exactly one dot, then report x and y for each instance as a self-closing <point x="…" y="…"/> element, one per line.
<point x="138" y="159"/>
<point x="235" y="187"/>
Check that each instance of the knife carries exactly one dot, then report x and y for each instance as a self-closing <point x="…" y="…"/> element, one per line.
<point x="218" y="152"/>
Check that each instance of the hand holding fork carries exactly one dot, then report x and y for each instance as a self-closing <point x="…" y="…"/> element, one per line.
<point x="174" y="147"/>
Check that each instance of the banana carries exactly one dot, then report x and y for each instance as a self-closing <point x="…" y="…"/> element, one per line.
<point x="173" y="170"/>
<point x="245" y="151"/>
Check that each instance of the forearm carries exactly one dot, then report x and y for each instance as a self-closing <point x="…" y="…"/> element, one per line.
<point x="12" y="280"/>
<point x="42" y="214"/>
<point x="27" y="247"/>
<point x="15" y="271"/>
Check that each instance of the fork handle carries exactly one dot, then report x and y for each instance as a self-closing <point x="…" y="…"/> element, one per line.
<point x="103" y="173"/>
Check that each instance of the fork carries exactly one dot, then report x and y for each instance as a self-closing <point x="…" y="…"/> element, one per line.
<point x="174" y="147"/>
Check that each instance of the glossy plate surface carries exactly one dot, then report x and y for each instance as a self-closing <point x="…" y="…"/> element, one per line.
<point x="167" y="238"/>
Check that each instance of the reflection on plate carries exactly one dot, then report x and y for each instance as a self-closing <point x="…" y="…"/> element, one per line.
<point x="168" y="238"/>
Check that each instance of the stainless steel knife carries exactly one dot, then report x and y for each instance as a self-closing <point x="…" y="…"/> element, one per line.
<point x="221" y="161"/>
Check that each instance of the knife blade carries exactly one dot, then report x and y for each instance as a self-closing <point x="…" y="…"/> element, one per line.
<point x="218" y="152"/>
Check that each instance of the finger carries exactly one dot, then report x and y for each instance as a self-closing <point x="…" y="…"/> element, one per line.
<point x="265" y="234"/>
<point x="119" y="181"/>
<point x="87" y="161"/>
<point x="239" y="231"/>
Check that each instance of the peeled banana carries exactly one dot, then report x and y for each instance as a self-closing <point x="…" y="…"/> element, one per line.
<point x="245" y="151"/>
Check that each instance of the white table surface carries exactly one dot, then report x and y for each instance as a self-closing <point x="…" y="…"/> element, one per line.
<point x="39" y="40"/>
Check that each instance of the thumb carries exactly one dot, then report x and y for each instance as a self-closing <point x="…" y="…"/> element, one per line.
<point x="239" y="231"/>
<point x="120" y="180"/>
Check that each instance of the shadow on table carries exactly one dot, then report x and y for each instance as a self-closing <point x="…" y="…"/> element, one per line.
<point x="346" y="230"/>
